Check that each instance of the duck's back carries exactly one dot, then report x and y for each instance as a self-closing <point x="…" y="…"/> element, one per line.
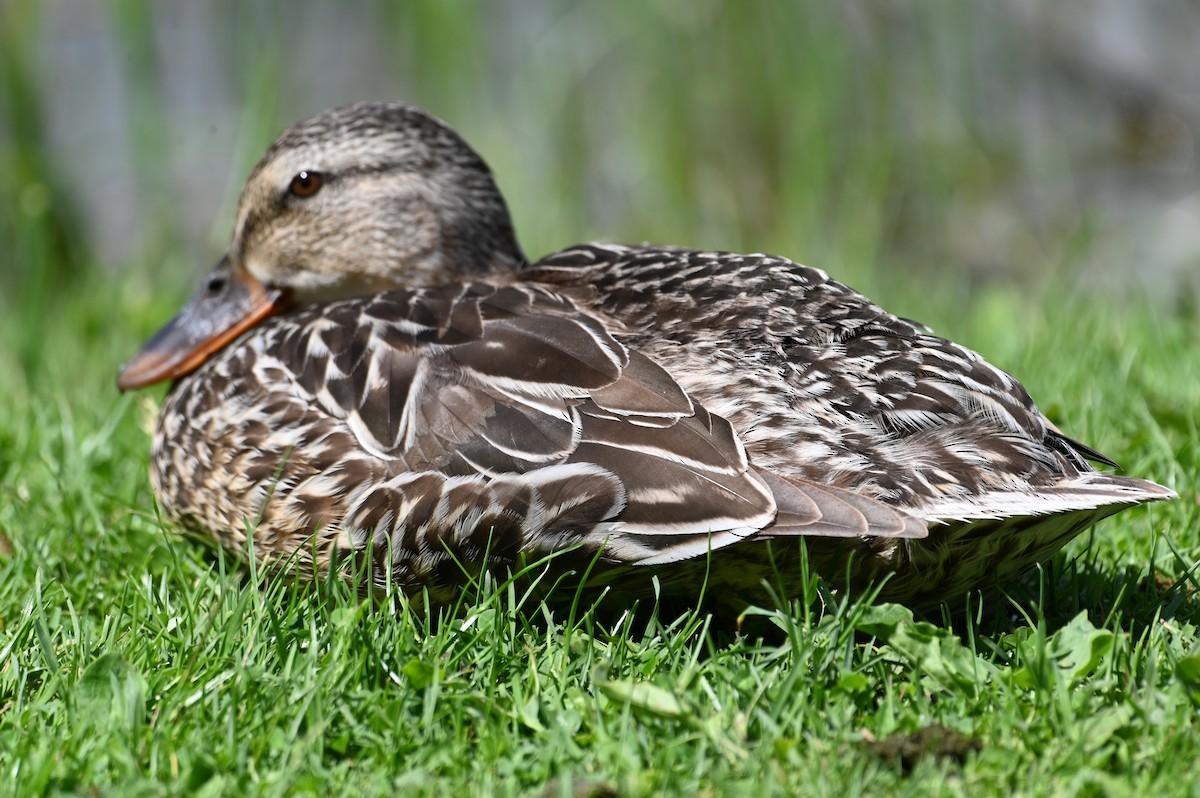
<point x="822" y="383"/>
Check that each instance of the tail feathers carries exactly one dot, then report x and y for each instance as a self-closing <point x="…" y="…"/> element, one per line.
<point x="1075" y="451"/>
<point x="1085" y="492"/>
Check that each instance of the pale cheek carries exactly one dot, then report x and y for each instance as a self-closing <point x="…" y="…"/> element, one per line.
<point x="311" y="286"/>
<point x="332" y="257"/>
<point x="265" y="271"/>
<point x="282" y="253"/>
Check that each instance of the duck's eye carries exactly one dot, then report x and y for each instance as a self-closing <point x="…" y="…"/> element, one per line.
<point x="305" y="184"/>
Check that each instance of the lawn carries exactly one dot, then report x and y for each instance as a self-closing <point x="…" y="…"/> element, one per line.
<point x="135" y="661"/>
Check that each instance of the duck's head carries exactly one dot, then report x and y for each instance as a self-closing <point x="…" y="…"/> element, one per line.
<point x="353" y="201"/>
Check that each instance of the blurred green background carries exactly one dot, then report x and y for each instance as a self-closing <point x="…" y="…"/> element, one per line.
<point x="916" y="151"/>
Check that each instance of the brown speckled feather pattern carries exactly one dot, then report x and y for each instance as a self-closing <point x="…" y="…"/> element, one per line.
<point x="823" y="385"/>
<point x="421" y="432"/>
<point x="447" y="426"/>
<point x="820" y="382"/>
<point x="425" y="404"/>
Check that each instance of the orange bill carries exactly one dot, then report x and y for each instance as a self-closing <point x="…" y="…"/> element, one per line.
<point x="226" y="304"/>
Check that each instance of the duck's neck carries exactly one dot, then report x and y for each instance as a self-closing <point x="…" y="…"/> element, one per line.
<point x="473" y="251"/>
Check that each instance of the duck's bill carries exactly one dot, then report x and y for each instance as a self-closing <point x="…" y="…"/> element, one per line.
<point x="226" y="304"/>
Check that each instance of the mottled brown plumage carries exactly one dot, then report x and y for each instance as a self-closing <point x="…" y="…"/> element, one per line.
<point x="404" y="392"/>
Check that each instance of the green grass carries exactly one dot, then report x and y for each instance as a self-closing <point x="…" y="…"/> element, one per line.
<point x="133" y="661"/>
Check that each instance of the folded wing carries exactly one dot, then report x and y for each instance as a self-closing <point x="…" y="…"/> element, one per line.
<point x="514" y="422"/>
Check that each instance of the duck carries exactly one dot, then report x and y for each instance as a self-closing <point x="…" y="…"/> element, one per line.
<point x="375" y="383"/>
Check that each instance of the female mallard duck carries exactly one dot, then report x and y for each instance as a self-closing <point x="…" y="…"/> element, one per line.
<point x="374" y="374"/>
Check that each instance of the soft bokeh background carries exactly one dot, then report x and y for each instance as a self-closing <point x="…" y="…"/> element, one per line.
<point x="926" y="141"/>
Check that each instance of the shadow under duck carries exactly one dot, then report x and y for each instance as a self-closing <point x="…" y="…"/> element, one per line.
<point x="374" y="375"/>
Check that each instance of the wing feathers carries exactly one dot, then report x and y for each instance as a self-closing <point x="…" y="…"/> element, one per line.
<point x="806" y="508"/>
<point x="511" y="413"/>
<point x="543" y="349"/>
<point x="647" y="390"/>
